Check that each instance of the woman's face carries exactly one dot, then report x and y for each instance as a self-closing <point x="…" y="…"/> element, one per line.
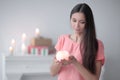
<point x="78" y="22"/>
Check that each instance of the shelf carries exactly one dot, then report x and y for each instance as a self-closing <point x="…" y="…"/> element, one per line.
<point x="28" y="57"/>
<point x="27" y="65"/>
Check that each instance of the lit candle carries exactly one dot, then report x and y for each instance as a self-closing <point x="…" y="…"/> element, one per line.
<point x="13" y="42"/>
<point x="23" y="37"/>
<point x="11" y="49"/>
<point x="23" y="47"/>
<point x="37" y="32"/>
<point x="62" y="55"/>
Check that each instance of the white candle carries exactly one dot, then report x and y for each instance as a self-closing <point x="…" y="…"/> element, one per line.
<point x="37" y="32"/>
<point x="60" y="55"/>
<point x="13" y="42"/>
<point x="23" y="37"/>
<point x="11" y="49"/>
<point x="23" y="47"/>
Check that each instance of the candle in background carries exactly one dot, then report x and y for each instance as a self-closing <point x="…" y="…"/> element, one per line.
<point x="23" y="44"/>
<point x="12" y="47"/>
<point x="37" y="32"/>
<point x="60" y="55"/>
<point x="11" y="50"/>
<point x="13" y="43"/>
<point x="23" y="47"/>
<point x="23" y="37"/>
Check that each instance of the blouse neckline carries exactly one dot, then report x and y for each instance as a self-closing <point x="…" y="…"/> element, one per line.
<point x="68" y="36"/>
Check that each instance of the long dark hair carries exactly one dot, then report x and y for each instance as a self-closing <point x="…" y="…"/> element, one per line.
<point x="90" y="45"/>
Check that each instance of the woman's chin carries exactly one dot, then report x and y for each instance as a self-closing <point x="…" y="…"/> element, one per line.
<point x="78" y="32"/>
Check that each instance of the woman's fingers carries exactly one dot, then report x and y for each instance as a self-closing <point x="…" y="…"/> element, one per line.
<point x="72" y="59"/>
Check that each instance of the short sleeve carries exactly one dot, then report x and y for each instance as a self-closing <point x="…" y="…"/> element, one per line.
<point x="59" y="43"/>
<point x="100" y="53"/>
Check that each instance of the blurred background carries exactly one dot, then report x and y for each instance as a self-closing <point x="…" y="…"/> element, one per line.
<point x="52" y="19"/>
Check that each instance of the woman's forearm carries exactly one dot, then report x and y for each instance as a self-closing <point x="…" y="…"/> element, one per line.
<point x="55" y="68"/>
<point x="87" y="75"/>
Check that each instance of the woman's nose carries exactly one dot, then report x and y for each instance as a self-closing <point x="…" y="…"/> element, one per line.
<point x="77" y="24"/>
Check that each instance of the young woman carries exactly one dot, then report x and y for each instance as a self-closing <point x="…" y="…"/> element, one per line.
<point x="86" y="51"/>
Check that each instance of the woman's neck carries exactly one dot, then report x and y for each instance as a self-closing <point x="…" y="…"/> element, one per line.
<point x="76" y="37"/>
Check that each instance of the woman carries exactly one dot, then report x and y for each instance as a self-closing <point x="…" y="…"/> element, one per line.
<point x="86" y="52"/>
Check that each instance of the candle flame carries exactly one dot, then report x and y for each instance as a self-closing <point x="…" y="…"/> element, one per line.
<point x="37" y="32"/>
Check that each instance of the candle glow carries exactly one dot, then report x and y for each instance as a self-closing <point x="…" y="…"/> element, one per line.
<point x="23" y="48"/>
<point x="37" y="32"/>
<point x="13" y="42"/>
<point x="11" y="49"/>
<point x="60" y="55"/>
<point x="23" y="37"/>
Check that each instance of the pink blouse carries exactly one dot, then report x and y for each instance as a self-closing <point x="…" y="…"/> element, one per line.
<point x="69" y="72"/>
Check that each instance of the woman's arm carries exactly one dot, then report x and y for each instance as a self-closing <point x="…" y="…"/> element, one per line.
<point x="87" y="75"/>
<point x="55" y="67"/>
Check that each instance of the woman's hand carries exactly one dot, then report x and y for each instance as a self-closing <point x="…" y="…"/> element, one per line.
<point x="71" y="59"/>
<point x="57" y="62"/>
<point x="55" y="67"/>
<point x="65" y="62"/>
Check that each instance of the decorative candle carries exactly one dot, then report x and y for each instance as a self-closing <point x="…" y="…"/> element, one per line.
<point x="60" y="55"/>
<point x="23" y="47"/>
<point x="13" y="42"/>
<point x="37" y="32"/>
<point x="23" y="37"/>
<point x="11" y="49"/>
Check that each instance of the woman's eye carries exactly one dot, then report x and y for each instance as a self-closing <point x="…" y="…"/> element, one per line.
<point x="74" y="20"/>
<point x="82" y="22"/>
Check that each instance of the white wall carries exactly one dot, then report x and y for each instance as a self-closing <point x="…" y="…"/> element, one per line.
<point x="52" y="18"/>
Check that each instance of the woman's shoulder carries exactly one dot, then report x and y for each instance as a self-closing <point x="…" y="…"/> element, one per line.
<point x="64" y="36"/>
<point x="100" y="42"/>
